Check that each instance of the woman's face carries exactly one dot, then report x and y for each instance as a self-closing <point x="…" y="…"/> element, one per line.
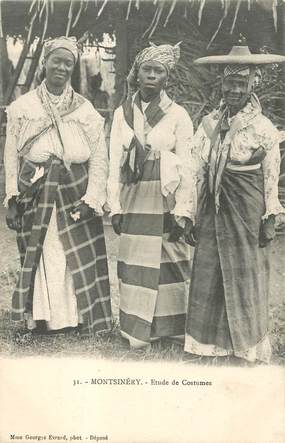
<point x="152" y="77"/>
<point x="234" y="90"/>
<point x="59" y="67"/>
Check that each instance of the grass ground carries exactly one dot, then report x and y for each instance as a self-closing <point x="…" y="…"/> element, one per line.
<point x="111" y="345"/>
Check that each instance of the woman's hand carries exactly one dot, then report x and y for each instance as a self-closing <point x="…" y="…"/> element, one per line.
<point x="267" y="231"/>
<point x="189" y="233"/>
<point x="13" y="219"/>
<point x="176" y="231"/>
<point x="116" y="223"/>
<point x="82" y="211"/>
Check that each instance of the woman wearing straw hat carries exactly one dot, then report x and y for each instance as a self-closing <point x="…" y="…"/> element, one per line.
<point x="237" y="154"/>
<point x="149" y="191"/>
<point x="56" y="167"/>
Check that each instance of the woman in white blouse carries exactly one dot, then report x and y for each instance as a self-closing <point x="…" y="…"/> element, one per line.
<point x="149" y="191"/>
<point x="56" y="167"/>
<point x="236" y="151"/>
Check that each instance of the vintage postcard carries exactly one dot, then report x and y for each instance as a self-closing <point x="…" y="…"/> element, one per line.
<point x="142" y="219"/>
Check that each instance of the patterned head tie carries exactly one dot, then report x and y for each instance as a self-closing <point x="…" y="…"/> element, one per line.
<point x="68" y="43"/>
<point x="167" y="55"/>
<point x="251" y="72"/>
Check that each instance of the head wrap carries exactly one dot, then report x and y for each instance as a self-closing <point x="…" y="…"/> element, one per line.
<point x="167" y="55"/>
<point x="68" y="43"/>
<point x="252" y="72"/>
<point x="243" y="70"/>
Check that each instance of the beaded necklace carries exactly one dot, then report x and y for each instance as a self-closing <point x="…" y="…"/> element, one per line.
<point x="52" y="105"/>
<point x="57" y="101"/>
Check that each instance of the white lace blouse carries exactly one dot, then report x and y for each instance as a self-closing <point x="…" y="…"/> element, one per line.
<point x="83" y="137"/>
<point x="173" y="136"/>
<point x="256" y="131"/>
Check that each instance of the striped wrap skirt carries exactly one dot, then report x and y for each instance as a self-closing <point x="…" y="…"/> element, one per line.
<point x="153" y="273"/>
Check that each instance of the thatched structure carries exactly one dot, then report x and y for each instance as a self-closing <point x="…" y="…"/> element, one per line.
<point x="55" y="17"/>
<point x="204" y="26"/>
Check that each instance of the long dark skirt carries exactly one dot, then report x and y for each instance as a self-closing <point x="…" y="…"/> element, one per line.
<point x="228" y="304"/>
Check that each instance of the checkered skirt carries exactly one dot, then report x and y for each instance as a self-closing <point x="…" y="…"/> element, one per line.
<point x="83" y="241"/>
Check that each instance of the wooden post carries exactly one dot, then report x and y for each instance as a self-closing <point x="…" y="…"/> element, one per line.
<point x="281" y="27"/>
<point x="281" y="39"/>
<point x="281" y="45"/>
<point x="5" y="66"/>
<point x="121" y="63"/>
<point x="2" y="60"/>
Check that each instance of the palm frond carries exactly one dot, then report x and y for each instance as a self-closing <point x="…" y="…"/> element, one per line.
<point x="172" y="7"/>
<point x="219" y="25"/>
<point x="235" y="16"/>
<point x="202" y="4"/>
<point x="274" y="13"/>
<point x="151" y="24"/>
<point x="33" y="4"/>
<point x="31" y="24"/>
<point x="1" y="27"/>
<point x="69" y="19"/>
<point x="45" y="24"/>
<point x="78" y="15"/>
<point x="129" y="9"/>
<point x="161" y="6"/>
<point x="43" y="8"/>
<point x="102" y="8"/>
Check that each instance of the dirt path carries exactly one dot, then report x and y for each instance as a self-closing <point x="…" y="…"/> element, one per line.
<point x="8" y="248"/>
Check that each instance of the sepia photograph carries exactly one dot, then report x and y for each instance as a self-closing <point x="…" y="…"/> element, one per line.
<point x="142" y="219"/>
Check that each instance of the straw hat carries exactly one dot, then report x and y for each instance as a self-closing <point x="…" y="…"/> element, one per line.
<point x="241" y="55"/>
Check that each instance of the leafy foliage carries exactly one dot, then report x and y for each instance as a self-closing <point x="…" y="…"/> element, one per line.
<point x="272" y="94"/>
<point x="198" y="87"/>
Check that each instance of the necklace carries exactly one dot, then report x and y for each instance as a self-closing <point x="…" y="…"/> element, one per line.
<point x="57" y="100"/>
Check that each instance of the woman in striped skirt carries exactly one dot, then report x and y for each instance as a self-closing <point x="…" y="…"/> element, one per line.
<point x="149" y="194"/>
